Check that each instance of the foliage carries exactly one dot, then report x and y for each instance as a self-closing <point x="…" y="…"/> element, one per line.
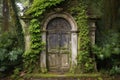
<point x="110" y="45"/>
<point x="10" y="53"/>
<point x="85" y="63"/>
<point x="33" y="55"/>
<point x="95" y="8"/>
<point x="35" y="36"/>
<point x="40" y="6"/>
<point x="16" y="74"/>
<point x="107" y="49"/>
<point x="115" y="70"/>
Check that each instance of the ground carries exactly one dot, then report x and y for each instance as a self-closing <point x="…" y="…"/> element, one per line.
<point x="67" y="76"/>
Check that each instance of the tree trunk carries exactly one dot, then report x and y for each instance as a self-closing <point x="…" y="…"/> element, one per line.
<point x="16" y="23"/>
<point x="110" y="13"/>
<point x="5" y="11"/>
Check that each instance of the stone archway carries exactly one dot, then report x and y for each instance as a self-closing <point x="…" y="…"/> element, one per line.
<point x="64" y="17"/>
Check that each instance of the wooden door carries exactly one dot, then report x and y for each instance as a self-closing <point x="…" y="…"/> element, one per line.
<point x="58" y="45"/>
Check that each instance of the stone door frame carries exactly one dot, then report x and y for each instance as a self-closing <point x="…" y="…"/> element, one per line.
<point x="74" y="38"/>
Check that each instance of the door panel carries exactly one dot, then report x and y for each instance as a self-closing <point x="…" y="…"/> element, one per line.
<point x="53" y="58"/>
<point x="53" y="41"/>
<point x="65" y="60"/>
<point x="53" y="61"/>
<point x="64" y="42"/>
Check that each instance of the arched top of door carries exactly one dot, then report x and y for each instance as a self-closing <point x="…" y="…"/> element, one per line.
<point x="65" y="16"/>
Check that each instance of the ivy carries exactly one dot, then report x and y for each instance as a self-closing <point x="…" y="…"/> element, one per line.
<point x="84" y="62"/>
<point x="32" y="56"/>
<point x="36" y="45"/>
<point x="40" y="6"/>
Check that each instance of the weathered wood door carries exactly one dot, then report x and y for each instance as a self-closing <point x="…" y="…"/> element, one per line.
<point x="58" y="45"/>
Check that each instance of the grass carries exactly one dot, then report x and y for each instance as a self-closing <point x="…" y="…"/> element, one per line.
<point x="66" y="75"/>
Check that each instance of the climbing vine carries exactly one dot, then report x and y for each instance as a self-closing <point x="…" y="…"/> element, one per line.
<point x="31" y="57"/>
<point x="39" y="6"/>
<point x="84" y="62"/>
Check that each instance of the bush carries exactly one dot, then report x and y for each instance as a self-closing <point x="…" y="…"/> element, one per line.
<point x="108" y="51"/>
<point x="115" y="70"/>
<point x="110" y="45"/>
<point x="10" y="53"/>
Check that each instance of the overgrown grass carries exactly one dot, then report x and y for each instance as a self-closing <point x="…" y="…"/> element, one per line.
<point x="66" y="75"/>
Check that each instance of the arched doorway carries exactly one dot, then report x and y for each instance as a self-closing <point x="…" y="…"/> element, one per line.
<point x="60" y="37"/>
<point x="58" y="44"/>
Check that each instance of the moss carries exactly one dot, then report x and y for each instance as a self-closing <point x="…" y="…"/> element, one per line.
<point x="43" y="70"/>
<point x="66" y="75"/>
<point x="70" y="76"/>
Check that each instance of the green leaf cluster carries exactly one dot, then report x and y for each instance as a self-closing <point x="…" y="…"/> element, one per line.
<point x="110" y="45"/>
<point x="107" y="48"/>
<point x="10" y="53"/>
<point x="32" y="56"/>
<point x="39" y="6"/>
<point x="84" y="62"/>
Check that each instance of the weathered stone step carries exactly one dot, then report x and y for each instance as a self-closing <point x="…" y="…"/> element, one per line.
<point x="70" y="77"/>
<point x="65" y="77"/>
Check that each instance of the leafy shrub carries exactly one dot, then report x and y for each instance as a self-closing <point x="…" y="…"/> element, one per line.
<point x="109" y="46"/>
<point x="16" y="75"/>
<point x="10" y="53"/>
<point x="115" y="70"/>
<point x="108" y="51"/>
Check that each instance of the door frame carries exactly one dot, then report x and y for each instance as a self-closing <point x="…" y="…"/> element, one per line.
<point x="74" y="38"/>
